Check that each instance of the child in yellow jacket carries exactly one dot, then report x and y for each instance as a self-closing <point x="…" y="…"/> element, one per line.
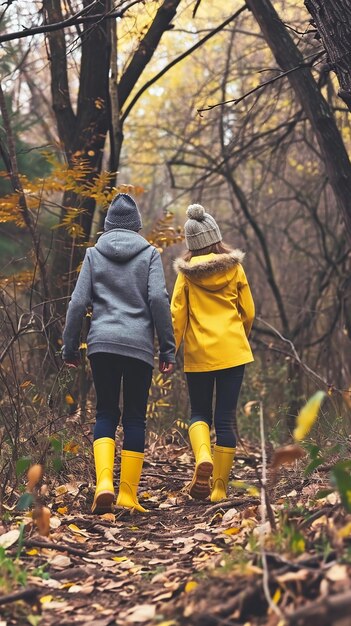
<point x="212" y="311"/>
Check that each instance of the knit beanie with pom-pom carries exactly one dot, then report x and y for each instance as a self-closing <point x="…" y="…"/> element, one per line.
<point x="201" y="229"/>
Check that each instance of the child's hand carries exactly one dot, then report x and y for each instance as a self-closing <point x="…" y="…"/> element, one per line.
<point x="165" y="368"/>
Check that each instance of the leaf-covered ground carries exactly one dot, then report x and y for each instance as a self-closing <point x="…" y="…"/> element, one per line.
<point x="186" y="562"/>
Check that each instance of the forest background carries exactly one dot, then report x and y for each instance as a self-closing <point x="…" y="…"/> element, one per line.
<point x="244" y="107"/>
<point x="233" y="106"/>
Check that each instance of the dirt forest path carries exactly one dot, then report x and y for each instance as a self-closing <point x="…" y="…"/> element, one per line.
<point x="185" y="563"/>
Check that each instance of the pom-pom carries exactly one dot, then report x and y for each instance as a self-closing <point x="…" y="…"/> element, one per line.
<point x="195" y="212"/>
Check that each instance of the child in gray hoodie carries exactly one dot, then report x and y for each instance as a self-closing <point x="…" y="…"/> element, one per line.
<point x="122" y="280"/>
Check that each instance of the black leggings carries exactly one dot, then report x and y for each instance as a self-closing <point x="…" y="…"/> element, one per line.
<point x="108" y="371"/>
<point x="201" y="388"/>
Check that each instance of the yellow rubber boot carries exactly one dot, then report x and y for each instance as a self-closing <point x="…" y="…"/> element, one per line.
<point x="199" y="434"/>
<point x="104" y="455"/>
<point x="131" y="466"/>
<point x="222" y="464"/>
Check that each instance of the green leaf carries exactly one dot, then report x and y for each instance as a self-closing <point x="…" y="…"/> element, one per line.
<point x="22" y="465"/>
<point x="313" y="465"/>
<point x="57" y="464"/>
<point x="56" y="444"/>
<point x="341" y="473"/>
<point x="323" y="493"/>
<point x="25" y="502"/>
<point x="34" y="620"/>
<point x="312" y="449"/>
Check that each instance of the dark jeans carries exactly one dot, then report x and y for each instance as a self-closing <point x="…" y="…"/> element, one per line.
<point x="108" y="372"/>
<point x="201" y="388"/>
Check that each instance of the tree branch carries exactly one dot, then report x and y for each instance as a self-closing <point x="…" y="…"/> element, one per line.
<point x="77" y="18"/>
<point x="315" y="106"/>
<point x="182" y="56"/>
<point x="236" y="101"/>
<point x="146" y="48"/>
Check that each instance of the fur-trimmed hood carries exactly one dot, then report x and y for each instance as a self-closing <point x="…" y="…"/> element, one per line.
<point x="210" y="271"/>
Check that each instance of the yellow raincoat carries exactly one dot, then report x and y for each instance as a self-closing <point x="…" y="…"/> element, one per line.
<point x="212" y="310"/>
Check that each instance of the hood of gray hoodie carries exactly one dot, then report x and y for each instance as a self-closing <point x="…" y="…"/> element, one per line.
<point x="121" y="245"/>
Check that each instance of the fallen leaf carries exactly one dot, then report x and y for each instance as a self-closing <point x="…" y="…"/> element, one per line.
<point x="9" y="538"/>
<point x="141" y="613"/>
<point x="59" y="491"/>
<point x="46" y="599"/>
<point x="60" y="561"/>
<point x="277" y="596"/>
<point x="85" y="589"/>
<point x="71" y="447"/>
<point x="234" y="530"/>
<point x="34" y="620"/>
<point x="229" y="516"/>
<point x="337" y="572"/>
<point x="62" y="510"/>
<point x="55" y="522"/>
<point x="145" y="495"/>
<point x="78" y="531"/>
<point x="166" y="595"/>
<point x="108" y="517"/>
<point x="320" y="521"/>
<point x="344" y="531"/>
<point x="202" y="537"/>
<point x="190" y="586"/>
<point x="289" y="577"/>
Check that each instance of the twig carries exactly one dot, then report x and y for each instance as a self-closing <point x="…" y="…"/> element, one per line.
<point x="327" y="610"/>
<point x="265" y="576"/>
<point x="197" y="4"/>
<point x="227" y="504"/>
<point x="72" y="573"/>
<point x="71" y="21"/>
<point x="50" y="545"/>
<point x="29" y="594"/>
<point x="316" y="515"/>
<point x="236" y="101"/>
<point x="296" y="356"/>
<point x="179" y="58"/>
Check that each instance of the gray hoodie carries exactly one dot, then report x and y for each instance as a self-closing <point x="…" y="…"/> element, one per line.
<point x="122" y="279"/>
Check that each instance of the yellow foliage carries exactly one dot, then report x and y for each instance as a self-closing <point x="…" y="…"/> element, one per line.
<point x="71" y="447"/>
<point x="190" y="586"/>
<point x="62" y="510"/>
<point x="231" y="531"/>
<point x="164" y="234"/>
<point x="308" y="415"/>
<point x="64" y="178"/>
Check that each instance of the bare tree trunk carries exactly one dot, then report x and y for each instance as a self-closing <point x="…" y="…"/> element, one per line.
<point x="316" y="108"/>
<point x="333" y="23"/>
<point x="116" y="124"/>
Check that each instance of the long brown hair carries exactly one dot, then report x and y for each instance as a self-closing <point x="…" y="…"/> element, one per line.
<point x="215" y="248"/>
